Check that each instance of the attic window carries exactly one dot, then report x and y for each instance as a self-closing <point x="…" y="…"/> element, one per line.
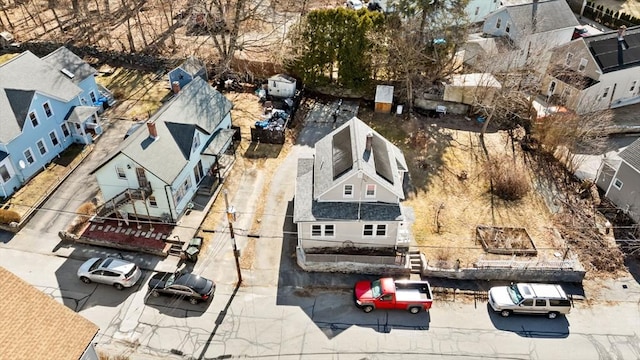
<point x="67" y="73"/>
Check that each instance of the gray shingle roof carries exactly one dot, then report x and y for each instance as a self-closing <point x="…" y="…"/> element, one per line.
<point x="78" y="114"/>
<point x="63" y="58"/>
<point x="631" y="154"/>
<point x="308" y="209"/>
<point x="550" y="15"/>
<point x="196" y="106"/>
<point x="381" y="164"/>
<point x="20" y="77"/>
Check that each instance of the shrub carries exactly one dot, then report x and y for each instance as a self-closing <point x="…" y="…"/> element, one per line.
<point x="509" y="182"/>
<point x="9" y="216"/>
<point x="85" y="211"/>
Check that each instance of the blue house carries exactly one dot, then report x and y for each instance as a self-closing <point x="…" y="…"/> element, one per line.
<point x="187" y="71"/>
<point x="46" y="104"/>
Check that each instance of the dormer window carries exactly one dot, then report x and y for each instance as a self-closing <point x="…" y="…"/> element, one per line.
<point x="47" y="109"/>
<point x="196" y="142"/>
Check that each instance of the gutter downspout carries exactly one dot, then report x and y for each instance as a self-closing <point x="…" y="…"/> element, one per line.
<point x="169" y="202"/>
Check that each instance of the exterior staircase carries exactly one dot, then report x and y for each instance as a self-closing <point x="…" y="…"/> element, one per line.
<point x="415" y="261"/>
<point x="173" y="247"/>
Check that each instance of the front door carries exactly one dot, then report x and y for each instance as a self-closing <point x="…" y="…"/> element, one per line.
<point x="198" y="172"/>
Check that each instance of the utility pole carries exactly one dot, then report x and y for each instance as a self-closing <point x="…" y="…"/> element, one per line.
<point x="231" y="216"/>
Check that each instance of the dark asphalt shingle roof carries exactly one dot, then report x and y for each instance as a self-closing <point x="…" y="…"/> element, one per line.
<point x="20" y="78"/>
<point x="197" y="106"/>
<point x="609" y="56"/>
<point x="631" y="154"/>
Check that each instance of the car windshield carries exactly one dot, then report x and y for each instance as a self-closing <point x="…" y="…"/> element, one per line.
<point x="515" y="295"/>
<point x="170" y="280"/>
<point x="95" y="264"/>
<point x="376" y="290"/>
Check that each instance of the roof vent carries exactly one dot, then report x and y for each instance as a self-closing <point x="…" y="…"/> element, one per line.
<point x="67" y="73"/>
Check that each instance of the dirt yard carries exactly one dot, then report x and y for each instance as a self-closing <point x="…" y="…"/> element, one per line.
<point x="631" y="7"/>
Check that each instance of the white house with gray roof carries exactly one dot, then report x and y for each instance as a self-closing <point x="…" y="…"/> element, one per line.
<point x="595" y="72"/>
<point x="349" y="194"/>
<point x="520" y="32"/>
<point x="157" y="170"/>
<point x="620" y="180"/>
<point x="46" y="104"/>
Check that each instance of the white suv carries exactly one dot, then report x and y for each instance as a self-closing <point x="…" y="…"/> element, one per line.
<point x="545" y="299"/>
<point x="110" y="271"/>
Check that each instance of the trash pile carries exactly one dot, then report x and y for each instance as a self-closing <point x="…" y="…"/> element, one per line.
<point x="274" y="119"/>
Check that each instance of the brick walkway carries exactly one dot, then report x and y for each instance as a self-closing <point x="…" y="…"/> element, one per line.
<point x="119" y="232"/>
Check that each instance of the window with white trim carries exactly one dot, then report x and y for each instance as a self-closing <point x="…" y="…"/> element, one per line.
<point x="633" y="86"/>
<point x="152" y="201"/>
<point x="65" y="129"/>
<point x="347" y="191"/>
<point x="323" y="230"/>
<point x="41" y="147"/>
<point x="498" y="23"/>
<point x="121" y="173"/>
<point x="378" y="230"/>
<point x="54" y="138"/>
<point x="371" y="191"/>
<point x="606" y="92"/>
<point x="196" y="142"/>
<point x="34" y="119"/>
<point x="477" y="10"/>
<point x="92" y="95"/>
<point x="47" y="109"/>
<point x="28" y="155"/>
<point x="567" y="61"/>
<point x="617" y="184"/>
<point x="583" y="64"/>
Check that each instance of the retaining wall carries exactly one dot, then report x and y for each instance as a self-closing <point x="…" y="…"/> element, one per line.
<point x="349" y="267"/>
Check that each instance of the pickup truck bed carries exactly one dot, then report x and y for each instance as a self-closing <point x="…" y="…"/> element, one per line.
<point x="410" y="295"/>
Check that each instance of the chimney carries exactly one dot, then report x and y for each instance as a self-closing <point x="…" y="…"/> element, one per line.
<point x="622" y="44"/>
<point x="175" y="86"/>
<point x="367" y="146"/>
<point x="153" y="133"/>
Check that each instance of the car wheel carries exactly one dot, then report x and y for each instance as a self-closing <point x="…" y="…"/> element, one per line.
<point x="367" y="308"/>
<point x="505" y="313"/>
<point x="155" y="293"/>
<point x="118" y="286"/>
<point x="85" y="280"/>
<point x="552" y="315"/>
<point x="193" y="301"/>
<point x="414" y="309"/>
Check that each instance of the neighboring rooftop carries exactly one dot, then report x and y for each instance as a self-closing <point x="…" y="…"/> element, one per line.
<point x="612" y="55"/>
<point x="549" y="15"/>
<point x="35" y="326"/>
<point x="69" y="64"/>
<point x="631" y="154"/>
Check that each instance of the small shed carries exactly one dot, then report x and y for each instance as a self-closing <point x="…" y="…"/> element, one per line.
<point x="471" y="89"/>
<point x="187" y="71"/>
<point x="384" y="98"/>
<point x="281" y="85"/>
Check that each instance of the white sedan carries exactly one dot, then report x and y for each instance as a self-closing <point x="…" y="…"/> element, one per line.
<point x="111" y="271"/>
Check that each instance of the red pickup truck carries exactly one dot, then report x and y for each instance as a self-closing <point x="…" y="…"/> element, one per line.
<point x="387" y="293"/>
